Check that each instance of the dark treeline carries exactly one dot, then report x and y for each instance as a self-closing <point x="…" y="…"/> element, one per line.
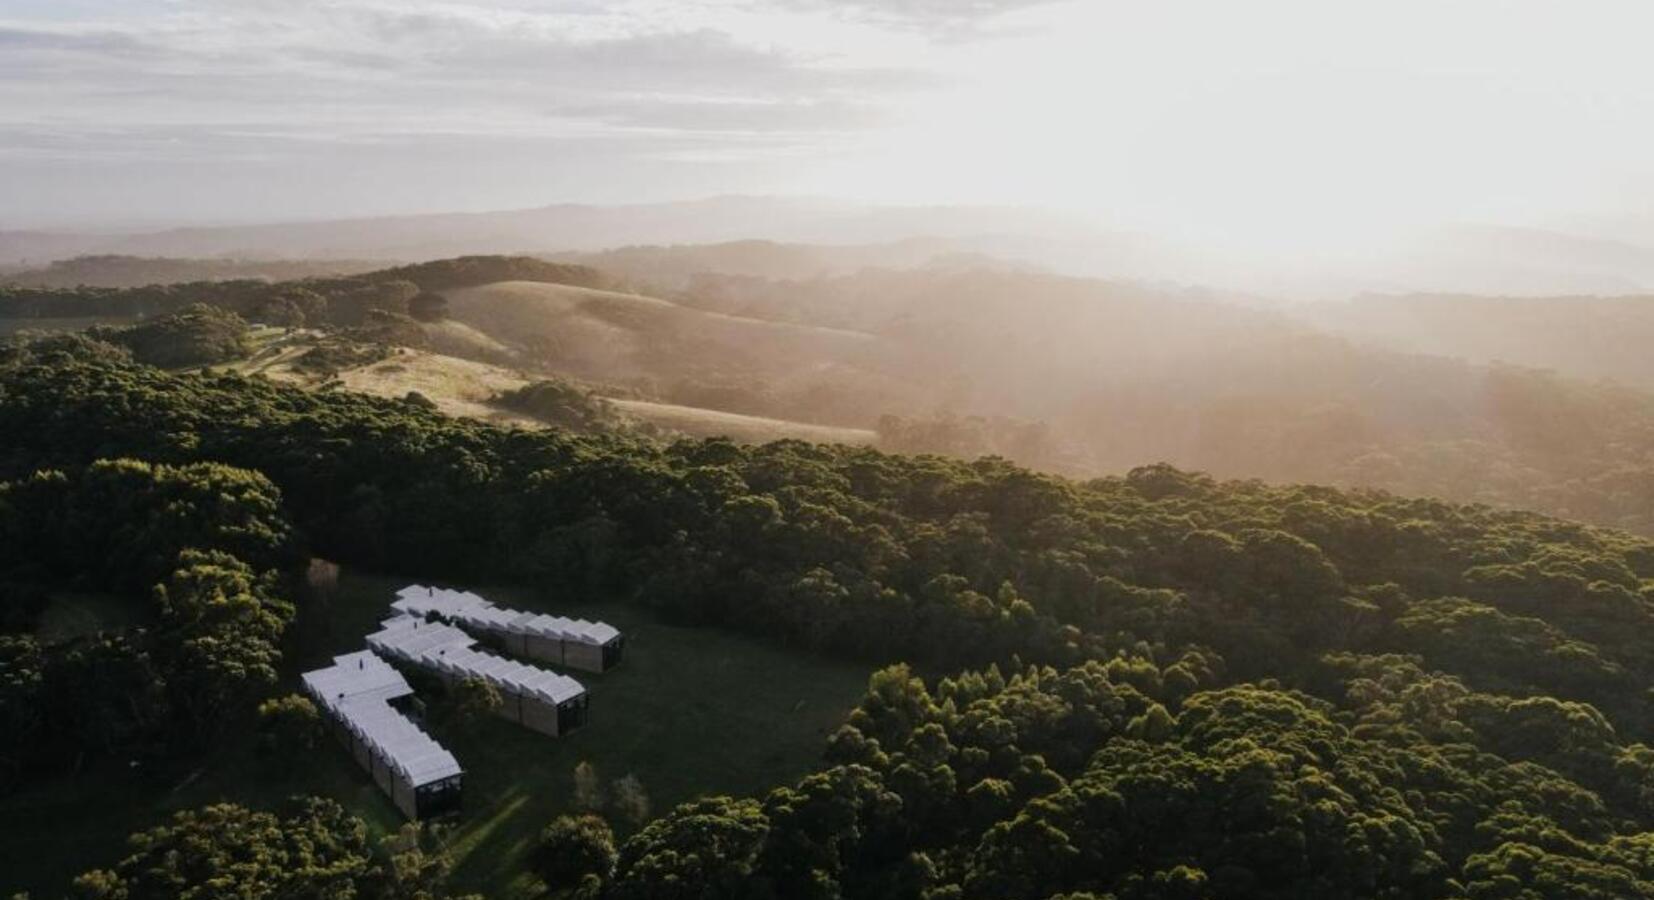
<point x="1173" y="686"/>
<point x="311" y="848"/>
<point x="343" y="300"/>
<point x="562" y="403"/>
<point x="115" y="271"/>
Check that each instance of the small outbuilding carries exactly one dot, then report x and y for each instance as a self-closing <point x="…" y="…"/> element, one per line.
<point x="535" y="698"/>
<point x="360" y="694"/>
<point x="575" y="643"/>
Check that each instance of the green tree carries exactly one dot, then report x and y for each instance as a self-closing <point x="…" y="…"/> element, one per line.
<point x="291" y="727"/>
<point x="311" y="849"/>
<point x="573" y="848"/>
<point x="471" y="700"/>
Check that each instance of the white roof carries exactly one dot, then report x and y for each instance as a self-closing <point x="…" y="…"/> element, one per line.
<point x="357" y="690"/>
<point x="448" y="649"/>
<point x="472" y="611"/>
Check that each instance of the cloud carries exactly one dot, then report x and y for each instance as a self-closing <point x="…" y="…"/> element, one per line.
<point x="38" y="54"/>
<point x="147" y="86"/>
<point x="451" y="69"/>
<point x="733" y="116"/>
<point x="947" y="19"/>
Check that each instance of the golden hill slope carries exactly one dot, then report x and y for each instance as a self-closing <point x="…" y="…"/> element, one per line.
<point x="464" y="387"/>
<point x="602" y="334"/>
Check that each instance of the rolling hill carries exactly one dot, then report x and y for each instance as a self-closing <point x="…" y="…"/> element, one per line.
<point x="1071" y="375"/>
<point x="469" y="389"/>
<point x="633" y="339"/>
<point x="1580" y="336"/>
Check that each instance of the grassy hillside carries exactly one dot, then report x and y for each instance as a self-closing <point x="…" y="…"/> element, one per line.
<point x="451" y="338"/>
<point x="459" y="387"/>
<point x="690" y="711"/>
<point x="467" y="388"/>
<point x="617" y="336"/>
<point x="700" y="422"/>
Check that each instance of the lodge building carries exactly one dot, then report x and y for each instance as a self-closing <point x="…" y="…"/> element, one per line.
<point x="535" y="698"/>
<point x="574" y="643"/>
<point x="362" y="696"/>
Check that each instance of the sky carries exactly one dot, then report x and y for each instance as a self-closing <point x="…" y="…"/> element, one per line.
<point x="1281" y="123"/>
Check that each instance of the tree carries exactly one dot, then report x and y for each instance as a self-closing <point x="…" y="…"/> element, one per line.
<point x="221" y="635"/>
<point x="427" y="306"/>
<point x="631" y="800"/>
<point x="588" y="787"/>
<point x="414" y="865"/>
<point x="354" y="303"/>
<point x="311" y="849"/>
<point x="703" y="850"/>
<point x="197" y="335"/>
<point x="470" y="700"/>
<point x="291" y="728"/>
<point x="572" y="848"/>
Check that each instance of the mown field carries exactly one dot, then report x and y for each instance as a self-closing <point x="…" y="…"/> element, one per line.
<point x="691" y="711"/>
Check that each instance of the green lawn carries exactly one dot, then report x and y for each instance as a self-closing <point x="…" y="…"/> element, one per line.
<point x="690" y="712"/>
<point x="71" y="614"/>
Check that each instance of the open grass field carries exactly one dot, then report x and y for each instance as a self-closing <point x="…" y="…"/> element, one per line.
<point x="699" y="422"/>
<point x="459" y="387"/>
<point x="690" y="712"/>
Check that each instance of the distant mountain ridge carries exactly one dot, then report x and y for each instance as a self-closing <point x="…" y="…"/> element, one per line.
<point x="561" y="227"/>
<point x="1470" y="258"/>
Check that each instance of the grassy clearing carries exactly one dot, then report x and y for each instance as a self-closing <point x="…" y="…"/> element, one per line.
<point x="74" y="614"/>
<point x="700" y="422"/>
<point x="459" y="387"/>
<point x="462" y="387"/>
<point x="690" y="712"/>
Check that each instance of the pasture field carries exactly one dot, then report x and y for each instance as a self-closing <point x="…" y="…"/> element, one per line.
<point x="700" y="422"/>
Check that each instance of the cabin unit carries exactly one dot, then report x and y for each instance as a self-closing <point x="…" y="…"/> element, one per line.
<point x="535" y="698"/>
<point x="561" y="641"/>
<point x="360" y="694"/>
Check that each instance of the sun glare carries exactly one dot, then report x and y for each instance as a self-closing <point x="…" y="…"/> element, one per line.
<point x="1225" y="123"/>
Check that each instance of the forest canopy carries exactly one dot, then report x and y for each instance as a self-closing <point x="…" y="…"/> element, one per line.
<point x="1156" y="685"/>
